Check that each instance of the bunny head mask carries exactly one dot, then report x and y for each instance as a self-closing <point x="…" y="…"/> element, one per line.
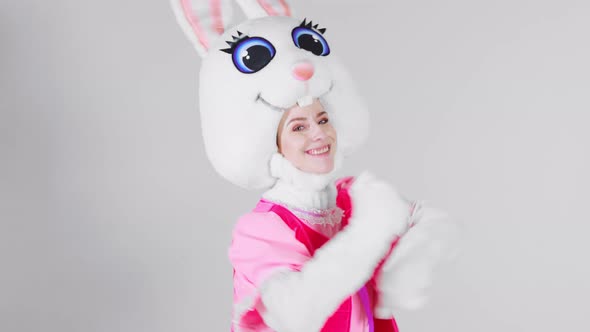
<point x="251" y="73"/>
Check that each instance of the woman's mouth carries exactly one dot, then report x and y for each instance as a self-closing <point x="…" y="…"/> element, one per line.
<point x="319" y="151"/>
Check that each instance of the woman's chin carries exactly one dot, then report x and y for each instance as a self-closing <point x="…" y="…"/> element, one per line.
<point x="323" y="168"/>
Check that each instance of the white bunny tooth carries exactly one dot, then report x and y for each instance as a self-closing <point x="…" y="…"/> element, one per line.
<point x="305" y="101"/>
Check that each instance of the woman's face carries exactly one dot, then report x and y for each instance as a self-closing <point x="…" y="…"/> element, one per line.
<point x="307" y="139"/>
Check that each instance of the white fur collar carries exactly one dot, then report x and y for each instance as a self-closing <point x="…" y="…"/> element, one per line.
<point x="297" y="189"/>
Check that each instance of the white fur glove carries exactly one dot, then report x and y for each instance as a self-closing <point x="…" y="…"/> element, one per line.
<point x="303" y="301"/>
<point x="407" y="273"/>
<point x="378" y="208"/>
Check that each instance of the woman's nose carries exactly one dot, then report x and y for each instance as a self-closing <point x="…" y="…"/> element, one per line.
<point x="318" y="132"/>
<point x="303" y="71"/>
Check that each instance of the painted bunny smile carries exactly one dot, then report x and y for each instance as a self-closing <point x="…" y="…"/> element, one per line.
<point x="277" y="108"/>
<point x="271" y="106"/>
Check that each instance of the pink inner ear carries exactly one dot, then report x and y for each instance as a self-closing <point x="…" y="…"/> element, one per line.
<point x="217" y="22"/>
<point x="286" y="11"/>
<point x="187" y="8"/>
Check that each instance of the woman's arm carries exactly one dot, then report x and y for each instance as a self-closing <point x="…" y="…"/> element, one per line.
<point x="302" y="300"/>
<point x="407" y="272"/>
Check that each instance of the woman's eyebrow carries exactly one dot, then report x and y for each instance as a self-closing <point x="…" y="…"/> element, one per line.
<point x="304" y="119"/>
<point x="296" y="119"/>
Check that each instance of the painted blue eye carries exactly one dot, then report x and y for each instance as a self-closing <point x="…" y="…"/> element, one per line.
<point x="252" y="54"/>
<point x="310" y="40"/>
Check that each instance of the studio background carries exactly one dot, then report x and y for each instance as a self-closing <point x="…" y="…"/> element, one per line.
<point x="112" y="218"/>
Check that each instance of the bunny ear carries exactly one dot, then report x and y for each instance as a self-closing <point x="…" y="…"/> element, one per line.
<point x="202" y="20"/>
<point x="261" y="8"/>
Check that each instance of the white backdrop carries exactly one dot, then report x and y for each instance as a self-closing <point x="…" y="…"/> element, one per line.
<point x="113" y="220"/>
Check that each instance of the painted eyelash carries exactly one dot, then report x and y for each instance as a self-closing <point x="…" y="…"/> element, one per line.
<point x="310" y="25"/>
<point x="233" y="43"/>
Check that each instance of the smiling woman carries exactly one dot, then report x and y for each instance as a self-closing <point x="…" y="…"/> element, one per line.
<point x="307" y="139"/>
<point x="303" y="259"/>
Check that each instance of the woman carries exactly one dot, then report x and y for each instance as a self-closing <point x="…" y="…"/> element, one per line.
<point x="279" y="111"/>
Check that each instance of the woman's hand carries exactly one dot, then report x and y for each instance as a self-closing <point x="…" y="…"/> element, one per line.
<point x="377" y="205"/>
<point x="407" y="274"/>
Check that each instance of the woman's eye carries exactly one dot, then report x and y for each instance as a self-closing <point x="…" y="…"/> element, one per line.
<point x="310" y="40"/>
<point x="252" y="54"/>
<point x="298" y="128"/>
<point x="323" y="121"/>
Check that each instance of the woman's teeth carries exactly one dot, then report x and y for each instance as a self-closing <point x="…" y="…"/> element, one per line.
<point x="319" y="151"/>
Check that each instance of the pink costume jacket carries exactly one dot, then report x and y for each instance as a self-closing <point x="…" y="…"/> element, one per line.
<point x="271" y="239"/>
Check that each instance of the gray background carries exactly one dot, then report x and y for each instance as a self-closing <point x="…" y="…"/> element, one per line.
<point x="112" y="219"/>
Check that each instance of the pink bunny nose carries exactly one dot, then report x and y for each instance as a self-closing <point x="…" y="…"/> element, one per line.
<point x="303" y="71"/>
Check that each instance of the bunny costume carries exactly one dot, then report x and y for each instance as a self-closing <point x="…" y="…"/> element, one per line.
<point x="317" y="253"/>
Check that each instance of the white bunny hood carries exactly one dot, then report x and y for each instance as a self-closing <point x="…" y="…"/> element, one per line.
<point x="251" y="74"/>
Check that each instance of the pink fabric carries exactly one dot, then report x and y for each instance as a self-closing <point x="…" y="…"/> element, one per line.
<point x="217" y="20"/>
<point x="264" y="243"/>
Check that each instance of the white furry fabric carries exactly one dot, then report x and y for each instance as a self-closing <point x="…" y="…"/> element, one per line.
<point x="407" y="273"/>
<point x="240" y="112"/>
<point x="295" y="188"/>
<point x="342" y="265"/>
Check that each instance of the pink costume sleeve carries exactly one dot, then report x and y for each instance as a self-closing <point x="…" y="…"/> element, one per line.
<point x="262" y="246"/>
